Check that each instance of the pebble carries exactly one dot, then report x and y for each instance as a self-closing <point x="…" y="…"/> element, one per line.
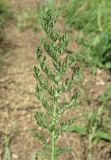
<point x="15" y="156"/>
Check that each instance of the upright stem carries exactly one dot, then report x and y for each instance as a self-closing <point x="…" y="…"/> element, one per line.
<point x="90" y="146"/>
<point x="53" y="136"/>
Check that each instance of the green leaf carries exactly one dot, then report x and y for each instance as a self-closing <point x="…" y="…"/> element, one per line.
<point x="42" y="154"/>
<point x="38" y="92"/>
<point x="66" y="124"/>
<point x="38" y="53"/>
<point x="41" y="119"/>
<point x="45" y="102"/>
<point x="101" y="135"/>
<point x="76" y="128"/>
<point x="34" y="156"/>
<point x="64" y="40"/>
<point x="69" y="60"/>
<point x="51" y="49"/>
<point x="75" y="78"/>
<point x="48" y="19"/>
<point x="62" y="150"/>
<point x="46" y="69"/>
<point x="7" y="153"/>
<point x="43" y="83"/>
<point x="54" y="91"/>
<point x="68" y="105"/>
<point x="47" y="106"/>
<point x="41" y="138"/>
<point x="108" y="65"/>
<point x="106" y="96"/>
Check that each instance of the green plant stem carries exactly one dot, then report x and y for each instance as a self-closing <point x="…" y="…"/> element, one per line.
<point x="90" y="147"/>
<point x="53" y="137"/>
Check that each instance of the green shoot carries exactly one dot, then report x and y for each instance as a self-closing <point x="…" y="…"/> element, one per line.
<point x="51" y="86"/>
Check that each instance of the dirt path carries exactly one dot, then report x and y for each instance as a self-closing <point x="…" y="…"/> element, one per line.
<point x="17" y="100"/>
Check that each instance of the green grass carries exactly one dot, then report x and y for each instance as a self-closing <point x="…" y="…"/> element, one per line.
<point x="5" y="15"/>
<point x="88" y="15"/>
<point x="95" y="50"/>
<point x="5" y="12"/>
<point x="106" y="96"/>
<point x="93" y="20"/>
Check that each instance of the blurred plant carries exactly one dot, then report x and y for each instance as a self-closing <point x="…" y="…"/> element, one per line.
<point x="92" y="18"/>
<point x="50" y="4"/>
<point x="7" y="141"/>
<point x="7" y="154"/>
<point x="28" y="19"/>
<point x="106" y="96"/>
<point x="34" y="156"/>
<point x="5" y="12"/>
<point x="96" y="128"/>
<point x="49" y="91"/>
<point x="95" y="50"/>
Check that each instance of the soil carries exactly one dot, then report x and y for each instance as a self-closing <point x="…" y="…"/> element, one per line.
<point x="18" y="103"/>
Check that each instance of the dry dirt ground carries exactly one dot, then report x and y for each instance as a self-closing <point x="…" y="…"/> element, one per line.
<point x="17" y="100"/>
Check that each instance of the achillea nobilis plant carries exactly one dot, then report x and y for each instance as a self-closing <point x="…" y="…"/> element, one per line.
<point x="50" y="86"/>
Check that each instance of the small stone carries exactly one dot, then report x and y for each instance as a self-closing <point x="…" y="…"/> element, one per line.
<point x="100" y="82"/>
<point x="99" y="71"/>
<point x="15" y="156"/>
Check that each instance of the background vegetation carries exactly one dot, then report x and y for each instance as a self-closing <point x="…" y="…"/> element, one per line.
<point x="89" y="24"/>
<point x="5" y="15"/>
<point x="92" y="19"/>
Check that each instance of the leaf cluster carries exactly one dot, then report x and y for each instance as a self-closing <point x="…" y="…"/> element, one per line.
<point x="50" y="85"/>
